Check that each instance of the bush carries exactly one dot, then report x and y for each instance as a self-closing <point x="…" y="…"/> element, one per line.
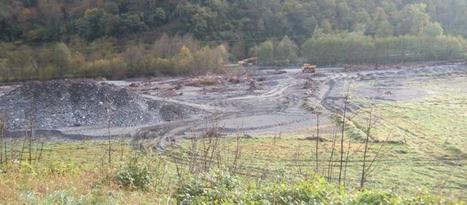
<point x="135" y="176"/>
<point x="167" y="47"/>
<point x="209" y="60"/>
<point x="4" y="71"/>
<point x="314" y="190"/>
<point x="265" y="53"/>
<point x="214" y="188"/>
<point x="286" y="52"/>
<point x="114" y="68"/>
<point x="69" y="197"/>
<point x="224" y="188"/>
<point x="375" y="198"/>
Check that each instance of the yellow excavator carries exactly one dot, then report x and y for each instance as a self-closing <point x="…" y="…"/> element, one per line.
<point x="308" y="68"/>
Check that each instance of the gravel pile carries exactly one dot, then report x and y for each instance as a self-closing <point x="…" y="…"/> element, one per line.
<point x="74" y="103"/>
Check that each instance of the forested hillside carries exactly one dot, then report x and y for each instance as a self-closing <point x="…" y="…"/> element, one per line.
<point x="226" y="20"/>
<point x="99" y="29"/>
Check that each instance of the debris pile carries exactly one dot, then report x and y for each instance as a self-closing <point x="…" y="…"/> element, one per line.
<point x="75" y="103"/>
<point x="207" y="80"/>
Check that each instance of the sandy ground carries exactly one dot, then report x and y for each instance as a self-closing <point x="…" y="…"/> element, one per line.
<point x="266" y="101"/>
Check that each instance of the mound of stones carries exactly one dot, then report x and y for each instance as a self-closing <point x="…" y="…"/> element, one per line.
<point x="75" y="103"/>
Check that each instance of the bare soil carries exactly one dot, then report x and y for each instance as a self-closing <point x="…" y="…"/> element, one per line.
<point x="256" y="101"/>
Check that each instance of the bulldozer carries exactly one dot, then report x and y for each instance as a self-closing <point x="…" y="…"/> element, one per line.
<point x="249" y="61"/>
<point x="308" y="68"/>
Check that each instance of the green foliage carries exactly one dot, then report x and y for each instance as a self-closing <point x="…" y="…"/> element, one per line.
<point x="168" y="56"/>
<point x="414" y="19"/>
<point x="58" y="168"/>
<point x="59" y="57"/>
<point x="135" y="175"/>
<point x="282" y="53"/>
<point x="379" y="25"/>
<point x="265" y="53"/>
<point x="253" y="20"/>
<point x="384" y="29"/>
<point x="224" y="188"/>
<point x="375" y="198"/>
<point x="95" y="23"/>
<point x="216" y="188"/>
<point x="286" y="52"/>
<point x="209" y="59"/>
<point x="359" y="49"/>
<point x="87" y="33"/>
<point x="83" y="179"/>
<point x="66" y="197"/>
<point x="329" y="49"/>
<point x="24" y="63"/>
<point x="434" y="29"/>
<point x="307" y="191"/>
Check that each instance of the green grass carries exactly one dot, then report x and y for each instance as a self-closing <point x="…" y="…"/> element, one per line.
<point x="429" y="135"/>
<point x="78" y="172"/>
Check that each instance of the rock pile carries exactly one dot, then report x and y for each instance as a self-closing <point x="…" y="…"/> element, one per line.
<point x="68" y="103"/>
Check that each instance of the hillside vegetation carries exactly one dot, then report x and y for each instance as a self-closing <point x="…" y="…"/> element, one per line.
<point x="233" y="21"/>
<point x="45" y="39"/>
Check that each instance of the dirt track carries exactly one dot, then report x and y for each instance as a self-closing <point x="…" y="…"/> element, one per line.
<point x="275" y="102"/>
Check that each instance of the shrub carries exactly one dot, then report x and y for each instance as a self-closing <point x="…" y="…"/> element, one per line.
<point x="68" y="197"/>
<point x="265" y="53"/>
<point x="4" y="71"/>
<point x="375" y="198"/>
<point x="425" y="198"/>
<point x="114" y="68"/>
<point x="223" y="188"/>
<point x="163" y="66"/>
<point x="215" y="188"/>
<point x="309" y="191"/>
<point x="209" y="60"/>
<point x="183" y="60"/>
<point x="168" y="47"/>
<point x="135" y="176"/>
<point x="286" y="52"/>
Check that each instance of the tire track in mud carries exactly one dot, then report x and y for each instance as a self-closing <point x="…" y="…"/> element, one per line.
<point x="277" y="103"/>
<point x="278" y="107"/>
<point x="333" y="103"/>
<point x="391" y="78"/>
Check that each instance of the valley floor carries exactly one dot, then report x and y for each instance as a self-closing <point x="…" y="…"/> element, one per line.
<point x="261" y="145"/>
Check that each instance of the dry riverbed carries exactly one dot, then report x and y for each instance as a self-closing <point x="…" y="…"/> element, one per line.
<point x="249" y="102"/>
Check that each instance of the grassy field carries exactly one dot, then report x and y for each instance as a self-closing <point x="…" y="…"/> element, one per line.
<point x="427" y="136"/>
<point x="80" y="173"/>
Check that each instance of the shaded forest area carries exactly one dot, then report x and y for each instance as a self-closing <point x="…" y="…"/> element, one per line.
<point x="43" y="39"/>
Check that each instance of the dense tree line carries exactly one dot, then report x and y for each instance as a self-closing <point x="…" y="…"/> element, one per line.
<point x="355" y="48"/>
<point x="177" y="55"/>
<point x="242" y="21"/>
<point x="277" y="31"/>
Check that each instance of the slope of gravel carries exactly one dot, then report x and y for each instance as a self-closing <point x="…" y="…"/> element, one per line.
<point x="81" y="103"/>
